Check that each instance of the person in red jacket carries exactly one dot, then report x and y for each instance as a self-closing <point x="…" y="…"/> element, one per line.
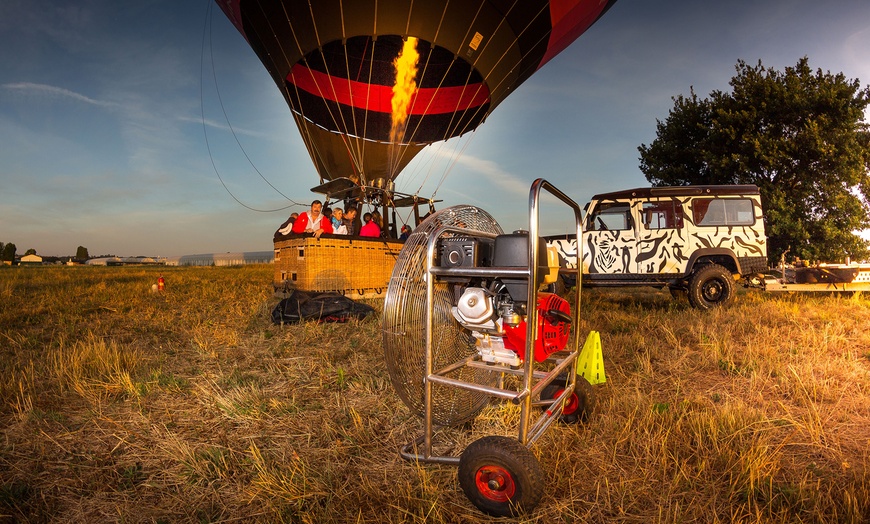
<point x="370" y="228"/>
<point x="313" y="221"/>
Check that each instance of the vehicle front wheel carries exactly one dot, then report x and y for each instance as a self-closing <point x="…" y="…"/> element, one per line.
<point x="711" y="286"/>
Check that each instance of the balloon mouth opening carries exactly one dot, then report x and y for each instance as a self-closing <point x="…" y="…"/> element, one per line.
<point x="349" y="87"/>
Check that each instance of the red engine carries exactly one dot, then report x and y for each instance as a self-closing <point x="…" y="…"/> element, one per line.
<point x="554" y="327"/>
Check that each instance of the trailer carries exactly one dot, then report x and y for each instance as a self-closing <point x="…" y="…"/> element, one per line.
<point x="822" y="277"/>
<point x="698" y="241"/>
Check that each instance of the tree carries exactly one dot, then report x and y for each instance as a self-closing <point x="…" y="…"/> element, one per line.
<point x="799" y="136"/>
<point x="82" y="253"/>
<point x="30" y="251"/>
<point x="9" y="251"/>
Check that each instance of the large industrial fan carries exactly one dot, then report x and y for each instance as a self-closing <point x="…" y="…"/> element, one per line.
<point x="466" y="307"/>
<point x="404" y="321"/>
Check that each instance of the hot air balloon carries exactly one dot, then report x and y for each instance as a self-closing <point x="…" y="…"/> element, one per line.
<point x="338" y="64"/>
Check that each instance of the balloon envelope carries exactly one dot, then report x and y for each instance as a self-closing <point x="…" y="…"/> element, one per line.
<point x="334" y="61"/>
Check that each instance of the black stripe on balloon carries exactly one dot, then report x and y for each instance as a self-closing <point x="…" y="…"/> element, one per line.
<point x="361" y="56"/>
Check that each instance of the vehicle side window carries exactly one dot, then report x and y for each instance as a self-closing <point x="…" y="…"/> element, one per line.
<point x="662" y="215"/>
<point x="723" y="212"/>
<point x="610" y="217"/>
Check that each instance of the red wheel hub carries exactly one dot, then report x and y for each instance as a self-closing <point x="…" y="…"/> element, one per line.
<point x="571" y="404"/>
<point x="495" y="483"/>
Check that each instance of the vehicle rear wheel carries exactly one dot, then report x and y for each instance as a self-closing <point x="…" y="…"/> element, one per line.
<point x="711" y="286"/>
<point x="500" y="476"/>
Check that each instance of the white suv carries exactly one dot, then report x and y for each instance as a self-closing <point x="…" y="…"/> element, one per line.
<point x="696" y="240"/>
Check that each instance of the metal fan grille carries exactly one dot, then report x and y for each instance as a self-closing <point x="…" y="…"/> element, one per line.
<point x="404" y="324"/>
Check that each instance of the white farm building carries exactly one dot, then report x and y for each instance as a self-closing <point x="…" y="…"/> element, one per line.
<point x="223" y="259"/>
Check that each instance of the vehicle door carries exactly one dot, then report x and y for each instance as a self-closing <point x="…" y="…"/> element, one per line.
<point x="609" y="244"/>
<point x="662" y="240"/>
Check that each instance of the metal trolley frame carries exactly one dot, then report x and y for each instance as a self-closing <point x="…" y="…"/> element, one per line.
<point x="532" y="381"/>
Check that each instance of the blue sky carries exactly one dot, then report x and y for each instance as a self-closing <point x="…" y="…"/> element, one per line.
<point x="102" y="130"/>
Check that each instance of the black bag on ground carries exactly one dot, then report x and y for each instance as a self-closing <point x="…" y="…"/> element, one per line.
<point x="324" y="307"/>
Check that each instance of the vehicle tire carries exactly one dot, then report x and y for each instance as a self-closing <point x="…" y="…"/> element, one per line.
<point x="578" y="406"/>
<point x="500" y="476"/>
<point x="711" y="286"/>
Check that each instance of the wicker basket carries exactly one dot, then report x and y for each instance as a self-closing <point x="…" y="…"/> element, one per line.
<point x="353" y="266"/>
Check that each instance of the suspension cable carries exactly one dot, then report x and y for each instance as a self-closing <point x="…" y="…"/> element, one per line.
<point x="207" y="25"/>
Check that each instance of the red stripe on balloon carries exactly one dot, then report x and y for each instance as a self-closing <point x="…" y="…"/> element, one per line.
<point x="373" y="97"/>
<point x="569" y="19"/>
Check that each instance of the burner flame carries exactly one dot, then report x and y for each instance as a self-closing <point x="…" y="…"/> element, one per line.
<point x="405" y="88"/>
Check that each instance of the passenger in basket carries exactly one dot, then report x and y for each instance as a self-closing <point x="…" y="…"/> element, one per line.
<point x="313" y="221"/>
<point x="406" y="232"/>
<point x="284" y="230"/>
<point x="377" y="219"/>
<point x="349" y="221"/>
<point x="370" y="228"/>
<point x="338" y="226"/>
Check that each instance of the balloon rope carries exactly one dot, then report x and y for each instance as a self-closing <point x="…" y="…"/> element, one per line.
<point x="227" y="118"/>
<point x="355" y="153"/>
<point x="521" y="74"/>
<point x="208" y="25"/>
<point x="297" y="112"/>
<point x="368" y="98"/>
<point x="452" y="164"/>
<point x="447" y="132"/>
<point x="331" y="86"/>
<point x="299" y="109"/>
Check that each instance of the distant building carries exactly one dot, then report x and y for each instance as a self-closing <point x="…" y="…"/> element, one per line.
<point x="30" y="260"/>
<point x="104" y="261"/>
<point x="124" y="261"/>
<point x="223" y="259"/>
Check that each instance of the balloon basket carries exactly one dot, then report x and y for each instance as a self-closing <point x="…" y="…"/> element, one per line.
<point x="356" y="267"/>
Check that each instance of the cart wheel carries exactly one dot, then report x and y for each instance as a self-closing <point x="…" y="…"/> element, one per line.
<point x="500" y="476"/>
<point x="578" y="405"/>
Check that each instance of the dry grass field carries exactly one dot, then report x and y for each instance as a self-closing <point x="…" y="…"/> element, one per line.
<point x="119" y="405"/>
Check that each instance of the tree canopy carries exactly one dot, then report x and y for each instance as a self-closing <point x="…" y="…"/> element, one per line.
<point x="9" y="251"/>
<point x="82" y="253"/>
<point x="799" y="135"/>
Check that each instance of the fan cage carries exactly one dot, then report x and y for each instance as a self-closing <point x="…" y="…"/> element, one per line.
<point x="404" y="325"/>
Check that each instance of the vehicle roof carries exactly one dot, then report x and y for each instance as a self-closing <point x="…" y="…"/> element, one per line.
<point x="666" y="191"/>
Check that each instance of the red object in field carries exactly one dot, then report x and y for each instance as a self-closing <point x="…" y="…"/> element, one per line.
<point x="161" y="284"/>
<point x="554" y="326"/>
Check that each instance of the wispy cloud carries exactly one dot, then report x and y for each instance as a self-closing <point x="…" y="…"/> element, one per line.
<point x="495" y="174"/>
<point x="56" y="92"/>
<point x="224" y="127"/>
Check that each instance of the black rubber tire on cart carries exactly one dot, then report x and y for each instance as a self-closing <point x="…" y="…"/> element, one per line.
<point x="578" y="406"/>
<point x="711" y="286"/>
<point x="500" y="476"/>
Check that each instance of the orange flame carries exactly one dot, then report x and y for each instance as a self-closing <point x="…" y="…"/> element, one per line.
<point x="406" y="86"/>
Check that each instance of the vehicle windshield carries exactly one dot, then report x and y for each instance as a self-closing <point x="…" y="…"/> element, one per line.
<point x="614" y="216"/>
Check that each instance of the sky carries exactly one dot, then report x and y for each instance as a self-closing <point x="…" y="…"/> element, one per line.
<point x="151" y="128"/>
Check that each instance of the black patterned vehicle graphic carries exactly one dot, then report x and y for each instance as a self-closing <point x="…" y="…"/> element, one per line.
<point x="649" y="232"/>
